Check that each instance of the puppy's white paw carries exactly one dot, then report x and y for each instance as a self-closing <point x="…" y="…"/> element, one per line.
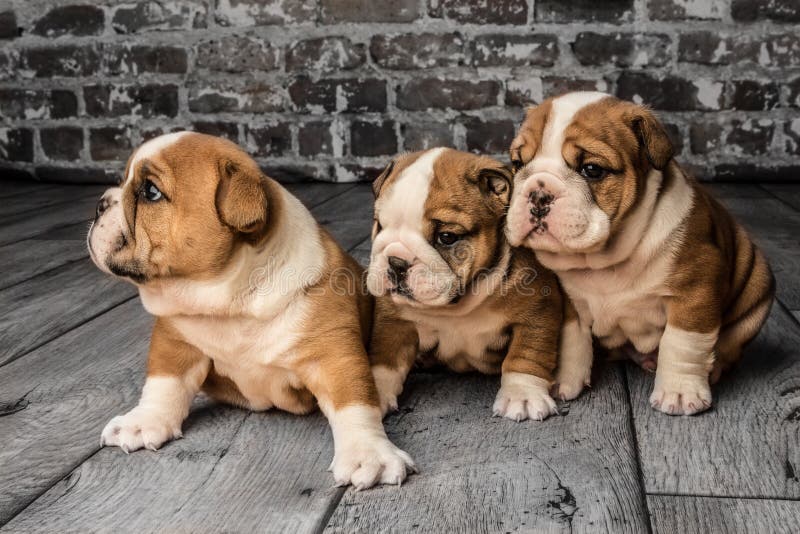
<point x="139" y="428"/>
<point x="364" y="464"/>
<point x="681" y="395"/>
<point x="523" y="397"/>
<point x="571" y="380"/>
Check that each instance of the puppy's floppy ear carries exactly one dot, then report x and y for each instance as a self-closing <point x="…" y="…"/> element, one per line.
<point x="241" y="199"/>
<point x="524" y="145"/>
<point x="652" y="137"/>
<point x="377" y="184"/>
<point x="495" y="181"/>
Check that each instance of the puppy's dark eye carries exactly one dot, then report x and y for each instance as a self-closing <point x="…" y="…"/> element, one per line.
<point x="150" y="192"/>
<point x="447" y="238"/>
<point x="590" y="171"/>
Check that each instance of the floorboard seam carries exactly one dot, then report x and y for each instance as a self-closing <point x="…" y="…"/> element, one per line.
<point x="709" y="496"/>
<point x="323" y="522"/>
<point x="65" y="264"/>
<point x="773" y="195"/>
<point x="788" y="311"/>
<point x="637" y="455"/>
<point x="337" y="195"/>
<point x="51" y="486"/>
<point x="78" y="325"/>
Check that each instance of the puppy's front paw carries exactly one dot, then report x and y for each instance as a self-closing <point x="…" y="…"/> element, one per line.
<point x="366" y="463"/>
<point x="681" y="395"/>
<point x="390" y="384"/>
<point x="571" y="380"/>
<point x="523" y="397"/>
<point x="139" y="428"/>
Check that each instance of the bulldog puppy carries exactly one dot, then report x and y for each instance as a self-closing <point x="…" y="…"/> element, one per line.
<point x="652" y="263"/>
<point x="451" y="289"/>
<point x="256" y="305"/>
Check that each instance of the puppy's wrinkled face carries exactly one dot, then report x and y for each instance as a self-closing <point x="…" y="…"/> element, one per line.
<point x="583" y="162"/>
<point x="438" y="225"/>
<point x="185" y="202"/>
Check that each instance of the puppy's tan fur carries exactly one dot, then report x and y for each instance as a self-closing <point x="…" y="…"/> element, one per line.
<point x="667" y="269"/>
<point x="506" y="313"/>
<point x="256" y="304"/>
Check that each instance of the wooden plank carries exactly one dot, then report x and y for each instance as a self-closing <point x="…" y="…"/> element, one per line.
<point x="56" y="400"/>
<point x="775" y="227"/>
<point x="233" y="471"/>
<point x="788" y="193"/>
<point x="44" y="307"/>
<point x="485" y="474"/>
<point x="22" y="225"/>
<point x="26" y="259"/>
<point x="748" y="445"/>
<point x="362" y="252"/>
<point x="37" y="200"/>
<point x="732" y="190"/>
<point x="315" y="193"/>
<point x="349" y="216"/>
<point x="700" y="515"/>
<point x="12" y="188"/>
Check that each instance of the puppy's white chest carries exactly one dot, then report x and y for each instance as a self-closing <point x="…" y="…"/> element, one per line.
<point x="473" y="342"/>
<point x="255" y="354"/>
<point x="620" y="309"/>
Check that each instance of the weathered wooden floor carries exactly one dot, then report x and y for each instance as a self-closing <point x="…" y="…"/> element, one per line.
<point x="72" y="355"/>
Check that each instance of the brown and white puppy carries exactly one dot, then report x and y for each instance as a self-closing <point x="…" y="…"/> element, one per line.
<point x="449" y="286"/>
<point x="256" y="305"/>
<point x="649" y="259"/>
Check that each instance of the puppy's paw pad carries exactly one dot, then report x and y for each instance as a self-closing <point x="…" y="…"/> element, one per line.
<point x="520" y="402"/>
<point x="364" y="465"/>
<point x="138" y="429"/>
<point x="681" y="401"/>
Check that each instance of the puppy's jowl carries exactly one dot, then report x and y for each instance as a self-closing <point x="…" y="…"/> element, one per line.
<point x="450" y="287"/>
<point x="653" y="264"/>
<point x="241" y="280"/>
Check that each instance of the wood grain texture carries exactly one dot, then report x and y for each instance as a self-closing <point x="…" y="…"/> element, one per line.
<point x="24" y="225"/>
<point x="348" y="217"/>
<point x="748" y="445"/>
<point x="788" y="193"/>
<point x="700" y="515"/>
<point x="484" y="474"/>
<point x="40" y="200"/>
<point x="361" y="252"/>
<point x="46" y="306"/>
<point x="234" y="471"/>
<point x="775" y="228"/>
<point x="315" y="193"/>
<point x="55" y="401"/>
<point x="12" y="188"/>
<point x="23" y="260"/>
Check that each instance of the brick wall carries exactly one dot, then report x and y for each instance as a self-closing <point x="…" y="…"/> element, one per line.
<point x="330" y="89"/>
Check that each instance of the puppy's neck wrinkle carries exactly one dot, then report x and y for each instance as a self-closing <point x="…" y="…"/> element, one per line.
<point x="667" y="202"/>
<point x="259" y="281"/>
<point x="477" y="292"/>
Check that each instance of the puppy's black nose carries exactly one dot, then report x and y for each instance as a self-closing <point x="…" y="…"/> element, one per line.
<point x="102" y="206"/>
<point x="398" y="265"/>
<point x="539" y="202"/>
